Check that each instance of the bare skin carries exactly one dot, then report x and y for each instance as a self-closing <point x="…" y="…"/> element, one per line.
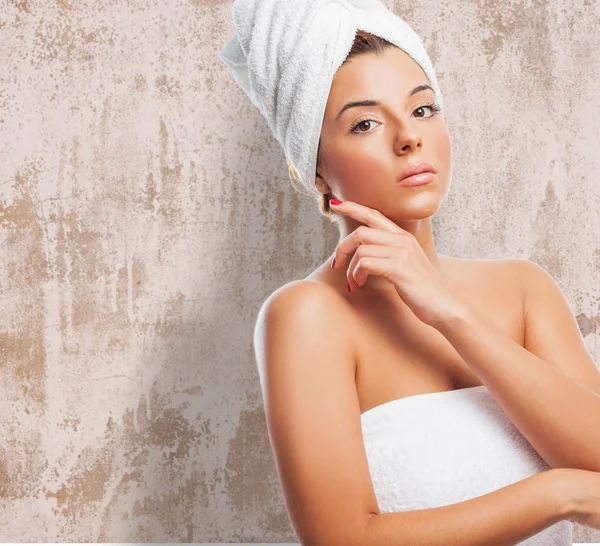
<point x="398" y="354"/>
<point x="401" y="356"/>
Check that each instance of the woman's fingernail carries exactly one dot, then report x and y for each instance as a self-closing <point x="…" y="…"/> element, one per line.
<point x="335" y="202"/>
<point x="333" y="263"/>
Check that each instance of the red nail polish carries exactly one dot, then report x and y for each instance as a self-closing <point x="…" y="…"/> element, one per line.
<point x="333" y="263"/>
<point x="335" y="201"/>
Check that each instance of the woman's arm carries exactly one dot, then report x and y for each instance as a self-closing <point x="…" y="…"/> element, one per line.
<point x="554" y="403"/>
<point x="503" y="517"/>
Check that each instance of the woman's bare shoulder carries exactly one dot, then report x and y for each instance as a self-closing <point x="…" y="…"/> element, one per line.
<point x="309" y="298"/>
<point x="302" y="289"/>
<point x="468" y="268"/>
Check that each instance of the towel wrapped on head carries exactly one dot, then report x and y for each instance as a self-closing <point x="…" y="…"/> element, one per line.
<point x="284" y="54"/>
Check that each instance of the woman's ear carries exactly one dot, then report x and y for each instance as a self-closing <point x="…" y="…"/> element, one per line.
<point x="321" y="185"/>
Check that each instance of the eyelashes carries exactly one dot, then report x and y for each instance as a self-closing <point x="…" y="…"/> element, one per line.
<point x="435" y="109"/>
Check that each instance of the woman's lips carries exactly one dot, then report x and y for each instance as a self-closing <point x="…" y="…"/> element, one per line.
<point x="417" y="179"/>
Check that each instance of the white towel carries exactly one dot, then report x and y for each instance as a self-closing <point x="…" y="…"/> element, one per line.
<point x="442" y="448"/>
<point x="284" y="54"/>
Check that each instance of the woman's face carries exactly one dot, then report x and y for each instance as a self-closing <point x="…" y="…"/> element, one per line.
<point x="364" y="150"/>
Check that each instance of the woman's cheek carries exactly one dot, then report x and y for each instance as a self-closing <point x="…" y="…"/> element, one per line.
<point x="363" y="162"/>
<point x="444" y="148"/>
<point x="351" y="167"/>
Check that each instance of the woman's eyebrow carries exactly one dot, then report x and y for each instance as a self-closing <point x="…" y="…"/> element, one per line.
<point x="376" y="102"/>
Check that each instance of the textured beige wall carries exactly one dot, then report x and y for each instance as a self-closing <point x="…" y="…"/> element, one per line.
<point x="146" y="212"/>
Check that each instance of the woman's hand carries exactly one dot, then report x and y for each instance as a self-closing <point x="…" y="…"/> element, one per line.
<point x="581" y="491"/>
<point x="380" y="247"/>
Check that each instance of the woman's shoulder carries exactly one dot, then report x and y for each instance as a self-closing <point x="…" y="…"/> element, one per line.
<point x="304" y="305"/>
<point x="303" y="293"/>
<point x="469" y="269"/>
<point x="299" y="316"/>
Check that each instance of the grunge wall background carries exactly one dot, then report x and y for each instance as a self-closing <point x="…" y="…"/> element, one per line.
<point x="146" y="213"/>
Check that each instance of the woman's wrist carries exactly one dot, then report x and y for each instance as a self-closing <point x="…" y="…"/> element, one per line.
<point x="564" y="490"/>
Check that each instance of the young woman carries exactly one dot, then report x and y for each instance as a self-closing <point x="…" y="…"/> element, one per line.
<point x="411" y="397"/>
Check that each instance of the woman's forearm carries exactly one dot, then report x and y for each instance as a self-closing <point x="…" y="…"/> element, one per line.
<point x="503" y="517"/>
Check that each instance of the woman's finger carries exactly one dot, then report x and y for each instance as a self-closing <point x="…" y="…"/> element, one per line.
<point x="372" y="265"/>
<point x="366" y="215"/>
<point x="364" y="235"/>
<point x="355" y="275"/>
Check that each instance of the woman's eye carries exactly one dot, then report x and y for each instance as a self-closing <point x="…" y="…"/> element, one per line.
<point x="435" y="109"/>
<point x="430" y="106"/>
<point x="360" y="123"/>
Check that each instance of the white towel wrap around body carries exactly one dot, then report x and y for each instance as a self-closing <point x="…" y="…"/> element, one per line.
<point x="442" y="448"/>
